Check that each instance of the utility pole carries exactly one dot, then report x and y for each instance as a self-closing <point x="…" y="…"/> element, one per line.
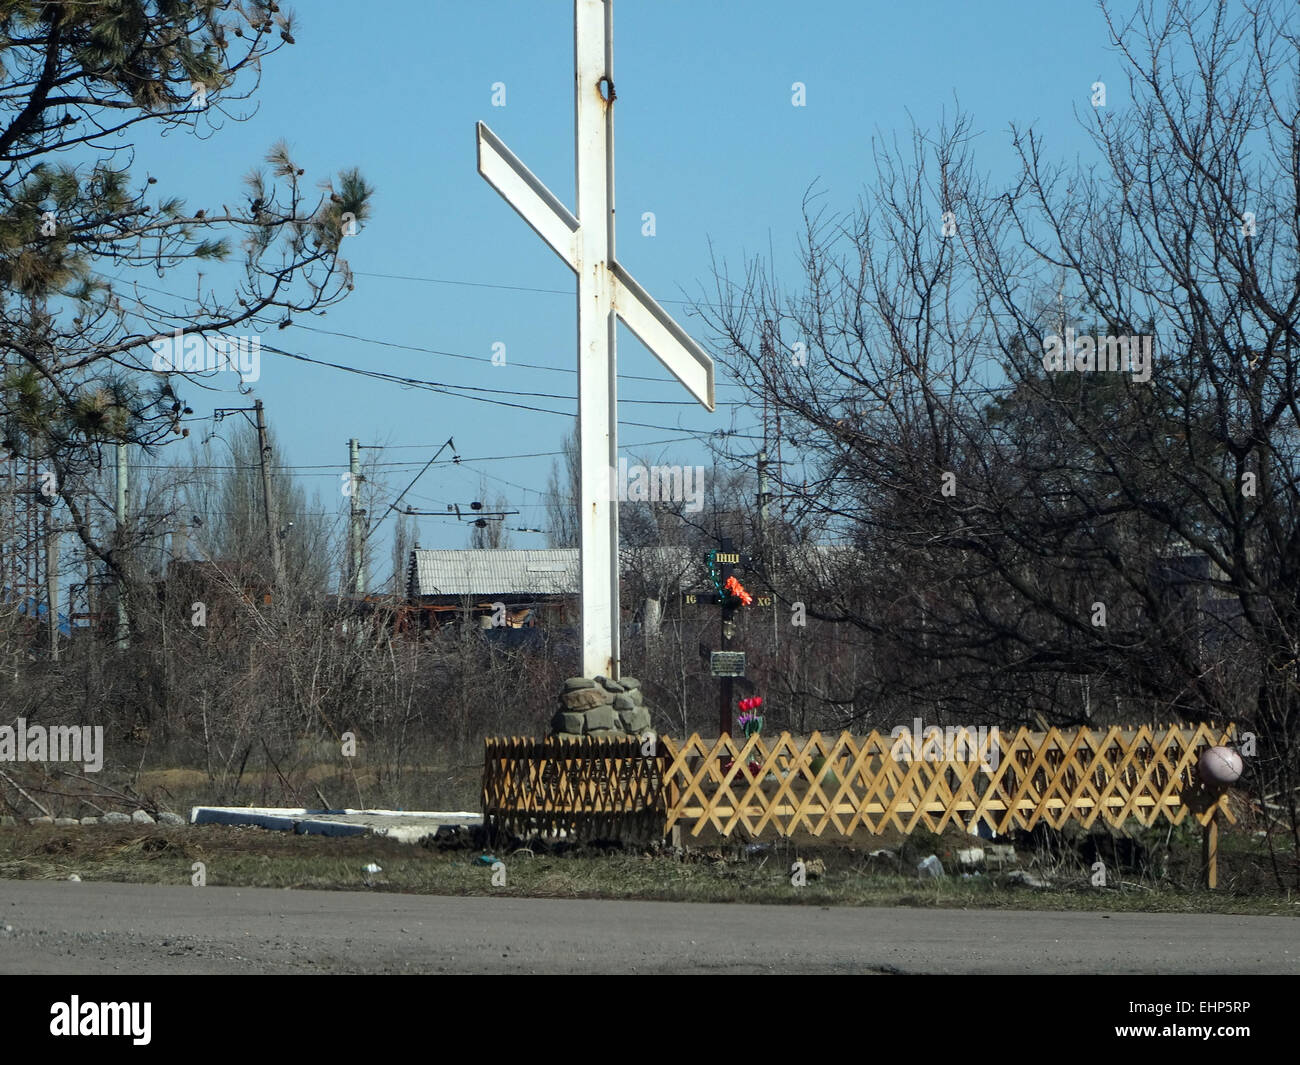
<point x="52" y="583"/>
<point x="764" y="498"/>
<point x="123" y="638"/>
<point x="180" y="543"/>
<point x="354" y="526"/>
<point x="272" y="533"/>
<point x="94" y="624"/>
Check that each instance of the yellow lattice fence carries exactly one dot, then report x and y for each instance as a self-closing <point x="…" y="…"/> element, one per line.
<point x="603" y="788"/>
<point x="1004" y="780"/>
<point x="585" y="788"/>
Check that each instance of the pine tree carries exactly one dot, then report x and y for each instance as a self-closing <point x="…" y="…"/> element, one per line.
<point x="87" y="361"/>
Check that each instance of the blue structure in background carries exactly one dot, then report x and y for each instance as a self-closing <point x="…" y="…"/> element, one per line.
<point x="35" y="607"/>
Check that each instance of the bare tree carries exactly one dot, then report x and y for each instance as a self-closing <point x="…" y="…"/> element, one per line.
<point x="89" y="360"/>
<point x="403" y="544"/>
<point x="562" y="494"/>
<point x="1023" y="538"/>
<point x="489" y="532"/>
<point x="226" y="496"/>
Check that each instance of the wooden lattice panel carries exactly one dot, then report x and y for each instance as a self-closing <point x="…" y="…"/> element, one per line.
<point x="1004" y="780"/>
<point x="588" y="787"/>
<point x="592" y="787"/>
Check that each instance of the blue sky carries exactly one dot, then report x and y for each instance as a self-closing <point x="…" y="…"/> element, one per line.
<point x="706" y="138"/>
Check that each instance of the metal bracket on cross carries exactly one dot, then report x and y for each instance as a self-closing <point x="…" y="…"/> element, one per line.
<point x="606" y="293"/>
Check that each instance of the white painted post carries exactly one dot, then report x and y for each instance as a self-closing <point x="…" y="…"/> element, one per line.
<point x="606" y="293"/>
<point x="597" y="375"/>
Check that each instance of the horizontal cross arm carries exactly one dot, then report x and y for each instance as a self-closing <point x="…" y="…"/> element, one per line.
<point x="667" y="340"/>
<point x="520" y="188"/>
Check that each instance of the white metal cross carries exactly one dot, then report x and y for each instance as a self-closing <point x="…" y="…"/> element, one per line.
<point x="606" y="292"/>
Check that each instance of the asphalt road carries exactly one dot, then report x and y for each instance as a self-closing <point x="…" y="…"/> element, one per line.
<point x="55" y="927"/>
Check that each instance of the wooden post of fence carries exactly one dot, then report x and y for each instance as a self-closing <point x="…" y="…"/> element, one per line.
<point x="1210" y="852"/>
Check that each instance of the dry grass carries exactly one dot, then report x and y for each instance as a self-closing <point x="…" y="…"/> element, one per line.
<point x="253" y="857"/>
<point x="435" y="783"/>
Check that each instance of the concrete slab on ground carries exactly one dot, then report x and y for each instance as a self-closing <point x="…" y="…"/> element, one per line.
<point x="405" y="826"/>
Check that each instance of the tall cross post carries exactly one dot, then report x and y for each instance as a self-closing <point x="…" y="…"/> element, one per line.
<point x="606" y="293"/>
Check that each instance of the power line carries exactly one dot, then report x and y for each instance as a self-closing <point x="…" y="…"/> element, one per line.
<point x="393" y="505"/>
<point x="417" y="382"/>
<point x="464" y="284"/>
<point x="450" y="390"/>
<point x="336" y="466"/>
<point x="502" y="480"/>
<point x="450" y="354"/>
<point x="447" y="390"/>
<point x="965" y="390"/>
<point x="430" y="501"/>
<point x="530" y="455"/>
<point x="505" y="288"/>
<point x="185" y="466"/>
<point x="480" y="359"/>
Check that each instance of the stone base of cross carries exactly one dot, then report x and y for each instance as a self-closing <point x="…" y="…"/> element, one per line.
<point x="606" y="294"/>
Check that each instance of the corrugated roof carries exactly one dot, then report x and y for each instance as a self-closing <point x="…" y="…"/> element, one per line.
<point x="554" y="571"/>
<point x="549" y="571"/>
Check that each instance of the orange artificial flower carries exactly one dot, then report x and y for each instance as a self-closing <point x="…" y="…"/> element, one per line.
<point x="734" y="587"/>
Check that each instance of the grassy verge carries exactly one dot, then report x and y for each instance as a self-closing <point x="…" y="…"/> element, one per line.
<point x="258" y="858"/>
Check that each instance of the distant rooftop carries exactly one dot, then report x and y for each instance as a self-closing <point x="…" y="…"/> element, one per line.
<point x="554" y="571"/>
<point x="546" y="571"/>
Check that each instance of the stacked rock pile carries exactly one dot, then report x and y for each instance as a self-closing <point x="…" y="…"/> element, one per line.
<point x="601" y="707"/>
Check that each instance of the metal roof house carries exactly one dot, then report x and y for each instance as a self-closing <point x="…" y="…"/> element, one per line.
<point x="480" y="573"/>
<point x="533" y="584"/>
<point x="529" y="583"/>
<point x="542" y="585"/>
